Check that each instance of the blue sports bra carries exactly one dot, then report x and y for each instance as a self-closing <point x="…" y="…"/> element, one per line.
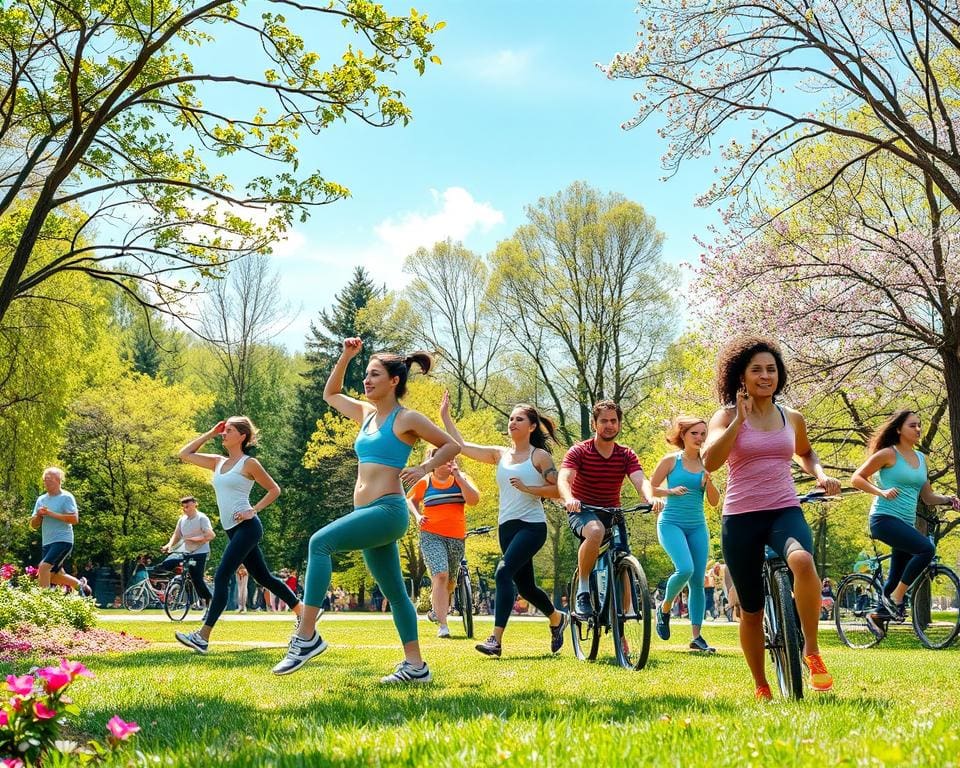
<point x="382" y="446"/>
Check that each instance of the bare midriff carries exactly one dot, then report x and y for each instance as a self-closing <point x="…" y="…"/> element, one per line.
<point x="374" y="481"/>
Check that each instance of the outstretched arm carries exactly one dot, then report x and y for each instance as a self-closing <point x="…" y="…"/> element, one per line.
<point x="488" y="454"/>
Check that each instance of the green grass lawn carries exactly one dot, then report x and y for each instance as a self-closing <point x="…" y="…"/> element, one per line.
<point x="897" y="704"/>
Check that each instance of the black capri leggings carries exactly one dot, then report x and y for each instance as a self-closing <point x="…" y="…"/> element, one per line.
<point x="519" y="542"/>
<point x="244" y="547"/>
<point x="912" y="551"/>
<point x="744" y="539"/>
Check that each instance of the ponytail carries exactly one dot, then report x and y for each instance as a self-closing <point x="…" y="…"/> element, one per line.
<point x="400" y="366"/>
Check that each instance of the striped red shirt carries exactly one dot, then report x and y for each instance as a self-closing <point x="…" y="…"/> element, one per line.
<point x="598" y="479"/>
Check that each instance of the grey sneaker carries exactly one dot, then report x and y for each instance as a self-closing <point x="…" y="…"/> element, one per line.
<point x="299" y="652"/>
<point x="583" y="607"/>
<point x="557" y="632"/>
<point x="407" y="673"/>
<point x="193" y="641"/>
<point x="490" y="647"/>
<point x="699" y="644"/>
<point x="431" y="616"/>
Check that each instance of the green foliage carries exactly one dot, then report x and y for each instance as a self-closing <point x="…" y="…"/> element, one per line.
<point x="31" y="604"/>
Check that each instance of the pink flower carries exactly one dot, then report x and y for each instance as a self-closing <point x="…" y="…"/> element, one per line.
<point x="7" y="571"/>
<point x="11" y="762"/>
<point x="4" y="718"/>
<point x="55" y="677"/>
<point x="42" y="711"/>
<point x="31" y="571"/>
<point x="120" y="730"/>
<point x="22" y="686"/>
<point x="75" y="669"/>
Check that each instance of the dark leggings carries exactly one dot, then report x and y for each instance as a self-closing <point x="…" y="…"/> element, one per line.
<point x="912" y="551"/>
<point x="244" y="547"/>
<point x="196" y="576"/>
<point x="519" y="542"/>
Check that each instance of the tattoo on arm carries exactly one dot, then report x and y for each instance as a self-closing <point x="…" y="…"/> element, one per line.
<point x="550" y="474"/>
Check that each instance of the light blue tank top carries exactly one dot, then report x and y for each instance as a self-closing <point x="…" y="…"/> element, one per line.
<point x="908" y="481"/>
<point x="381" y="446"/>
<point x="687" y="509"/>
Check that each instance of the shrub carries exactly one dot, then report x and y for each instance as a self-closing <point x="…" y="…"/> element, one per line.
<point x="28" y="603"/>
<point x="423" y="600"/>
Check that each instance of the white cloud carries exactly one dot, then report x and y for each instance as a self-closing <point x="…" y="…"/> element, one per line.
<point x="504" y="67"/>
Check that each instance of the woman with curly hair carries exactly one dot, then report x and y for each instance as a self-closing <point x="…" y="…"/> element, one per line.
<point x="758" y="438"/>
<point x="682" y="525"/>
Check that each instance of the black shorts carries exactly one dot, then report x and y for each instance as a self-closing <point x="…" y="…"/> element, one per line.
<point x="578" y="521"/>
<point x="744" y="539"/>
<point x="56" y="553"/>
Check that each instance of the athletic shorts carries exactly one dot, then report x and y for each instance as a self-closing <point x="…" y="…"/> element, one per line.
<point x="56" y="553"/>
<point x="442" y="554"/>
<point x="578" y="521"/>
<point x="744" y="539"/>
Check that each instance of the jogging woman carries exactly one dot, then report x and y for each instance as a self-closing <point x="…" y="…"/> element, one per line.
<point x="757" y="438"/>
<point x="234" y="476"/>
<point x="902" y="471"/>
<point x="379" y="519"/>
<point x="525" y="475"/>
<point x="682" y="525"/>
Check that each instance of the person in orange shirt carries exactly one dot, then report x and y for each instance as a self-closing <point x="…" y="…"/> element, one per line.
<point x="438" y="503"/>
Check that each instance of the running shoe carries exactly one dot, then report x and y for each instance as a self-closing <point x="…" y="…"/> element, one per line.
<point x="299" y="652"/>
<point x="431" y="616"/>
<point x="877" y="621"/>
<point x="490" y="647"/>
<point x="699" y="644"/>
<point x="583" y="608"/>
<point x="407" y="673"/>
<point x="663" y="625"/>
<point x="557" y="632"/>
<point x="763" y="693"/>
<point x="897" y="611"/>
<point x="820" y="679"/>
<point x="444" y="632"/>
<point x="193" y="641"/>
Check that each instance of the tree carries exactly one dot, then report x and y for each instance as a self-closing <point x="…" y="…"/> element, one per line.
<point x="584" y="293"/>
<point x="104" y="110"/>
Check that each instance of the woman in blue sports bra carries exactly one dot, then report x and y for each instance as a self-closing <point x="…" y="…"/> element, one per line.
<point x="387" y="435"/>
<point x="682" y="525"/>
<point x="902" y="471"/>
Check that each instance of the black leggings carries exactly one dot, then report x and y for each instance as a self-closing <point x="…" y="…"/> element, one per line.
<point x="244" y="547"/>
<point x="912" y="551"/>
<point x="519" y="542"/>
<point x="196" y="576"/>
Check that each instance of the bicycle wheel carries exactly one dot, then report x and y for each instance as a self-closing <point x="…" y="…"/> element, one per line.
<point x="135" y="597"/>
<point x="857" y="595"/>
<point x="586" y="638"/>
<point x="783" y="634"/>
<point x="630" y="615"/>
<point x="935" y="607"/>
<point x="177" y="598"/>
<point x="465" y="597"/>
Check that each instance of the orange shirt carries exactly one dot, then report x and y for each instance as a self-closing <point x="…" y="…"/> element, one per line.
<point x="443" y="505"/>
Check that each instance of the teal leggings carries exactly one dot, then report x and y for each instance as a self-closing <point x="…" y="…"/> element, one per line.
<point x="687" y="546"/>
<point x="375" y="529"/>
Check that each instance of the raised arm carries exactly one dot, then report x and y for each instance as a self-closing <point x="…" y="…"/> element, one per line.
<point x="807" y="457"/>
<point x="722" y="433"/>
<point x="488" y="454"/>
<point x="189" y="455"/>
<point x="333" y="389"/>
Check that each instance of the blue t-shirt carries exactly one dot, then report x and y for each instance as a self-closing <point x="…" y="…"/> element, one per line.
<point x="51" y="529"/>
<point x="686" y="509"/>
<point x="908" y="481"/>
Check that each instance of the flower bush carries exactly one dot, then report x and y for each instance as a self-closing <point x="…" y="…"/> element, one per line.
<point x="30" y="721"/>
<point x="27" y="603"/>
<point x="31" y="641"/>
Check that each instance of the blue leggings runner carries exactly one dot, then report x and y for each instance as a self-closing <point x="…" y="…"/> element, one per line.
<point x="687" y="547"/>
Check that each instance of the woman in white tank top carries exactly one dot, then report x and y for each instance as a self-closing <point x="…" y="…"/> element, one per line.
<point x="525" y="475"/>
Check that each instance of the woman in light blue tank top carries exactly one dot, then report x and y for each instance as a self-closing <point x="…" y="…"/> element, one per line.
<point x="902" y="483"/>
<point x="682" y="526"/>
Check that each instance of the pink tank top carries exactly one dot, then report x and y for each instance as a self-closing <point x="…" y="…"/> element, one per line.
<point x="759" y="465"/>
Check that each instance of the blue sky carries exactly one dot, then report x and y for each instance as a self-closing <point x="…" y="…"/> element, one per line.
<point x="518" y="110"/>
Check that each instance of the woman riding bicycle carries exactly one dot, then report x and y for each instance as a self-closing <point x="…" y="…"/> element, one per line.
<point x="902" y="471"/>
<point x="757" y="438"/>
<point x="525" y="475"/>
<point x="682" y="526"/>
<point x="380" y="517"/>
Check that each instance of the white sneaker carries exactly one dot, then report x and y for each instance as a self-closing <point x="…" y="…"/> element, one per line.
<point x="444" y="631"/>
<point x="299" y="652"/>
<point x="193" y="641"/>
<point x="407" y="673"/>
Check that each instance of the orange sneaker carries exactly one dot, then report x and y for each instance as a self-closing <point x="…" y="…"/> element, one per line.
<point x="763" y="693"/>
<point x="820" y="679"/>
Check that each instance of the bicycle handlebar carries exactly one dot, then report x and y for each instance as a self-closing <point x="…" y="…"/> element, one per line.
<point x="643" y="508"/>
<point x="479" y="531"/>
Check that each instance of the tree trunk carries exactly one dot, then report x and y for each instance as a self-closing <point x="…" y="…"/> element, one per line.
<point x="951" y="375"/>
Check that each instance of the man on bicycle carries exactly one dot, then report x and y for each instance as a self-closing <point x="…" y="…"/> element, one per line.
<point x="592" y="473"/>
<point x="194" y="530"/>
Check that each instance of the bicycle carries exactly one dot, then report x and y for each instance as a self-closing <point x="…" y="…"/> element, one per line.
<point x="622" y="611"/>
<point x="463" y="602"/>
<point x="933" y="600"/>
<point x="180" y="594"/>
<point x="145" y="594"/>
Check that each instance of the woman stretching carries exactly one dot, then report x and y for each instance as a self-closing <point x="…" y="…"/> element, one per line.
<point x="387" y="435"/>
<point x="525" y="473"/>
<point x="233" y="479"/>
<point x="682" y="526"/>
<point x="757" y="438"/>
<point x="902" y="471"/>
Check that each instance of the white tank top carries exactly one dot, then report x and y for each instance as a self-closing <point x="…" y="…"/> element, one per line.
<point x="233" y="491"/>
<point x="514" y="503"/>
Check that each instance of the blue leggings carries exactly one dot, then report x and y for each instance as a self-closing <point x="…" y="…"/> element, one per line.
<point x="374" y="529"/>
<point x="687" y="547"/>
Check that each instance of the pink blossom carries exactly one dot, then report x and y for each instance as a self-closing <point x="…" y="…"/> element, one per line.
<point x="121" y="730"/>
<point x="22" y="686"/>
<point x="31" y="571"/>
<point x="55" y="677"/>
<point x="7" y="571"/>
<point x="75" y="669"/>
<point x="42" y="711"/>
<point x="4" y="718"/>
<point x="11" y="762"/>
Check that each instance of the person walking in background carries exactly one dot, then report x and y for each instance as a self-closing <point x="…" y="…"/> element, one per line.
<point x="193" y="529"/>
<point x="242" y="581"/>
<point x="55" y="513"/>
<point x="709" y="589"/>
